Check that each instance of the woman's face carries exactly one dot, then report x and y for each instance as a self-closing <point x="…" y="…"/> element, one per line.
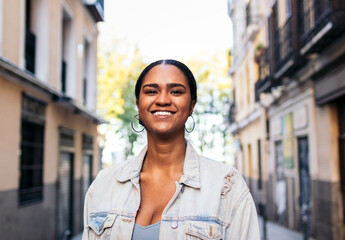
<point x="165" y="101"/>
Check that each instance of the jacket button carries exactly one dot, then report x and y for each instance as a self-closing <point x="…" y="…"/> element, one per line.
<point x="173" y="225"/>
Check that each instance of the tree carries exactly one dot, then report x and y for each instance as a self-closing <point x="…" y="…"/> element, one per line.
<point x="119" y="68"/>
<point x="211" y="112"/>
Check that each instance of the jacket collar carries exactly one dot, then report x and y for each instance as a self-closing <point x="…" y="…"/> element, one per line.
<point x="130" y="169"/>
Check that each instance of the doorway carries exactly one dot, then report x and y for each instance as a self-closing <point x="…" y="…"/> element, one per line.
<point x="64" y="211"/>
<point x="304" y="183"/>
<point x="341" y="116"/>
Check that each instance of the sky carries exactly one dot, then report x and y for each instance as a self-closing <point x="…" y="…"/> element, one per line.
<point x="170" y="29"/>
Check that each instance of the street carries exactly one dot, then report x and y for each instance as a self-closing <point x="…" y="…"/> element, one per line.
<point x="275" y="231"/>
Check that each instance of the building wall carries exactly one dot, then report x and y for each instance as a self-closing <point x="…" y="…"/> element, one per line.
<point x="46" y="23"/>
<point x="302" y="108"/>
<point x="250" y="157"/>
<point x="326" y="184"/>
<point x="250" y="117"/>
<point x="305" y="84"/>
<point x="38" y="220"/>
<point x="13" y="34"/>
<point x="1" y="20"/>
<point x="10" y="134"/>
<point x="26" y="217"/>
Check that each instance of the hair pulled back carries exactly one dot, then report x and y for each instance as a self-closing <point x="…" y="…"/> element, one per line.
<point x="183" y="68"/>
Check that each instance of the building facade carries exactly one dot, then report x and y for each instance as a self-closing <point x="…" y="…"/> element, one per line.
<point x="49" y="152"/>
<point x="247" y="117"/>
<point x="303" y="94"/>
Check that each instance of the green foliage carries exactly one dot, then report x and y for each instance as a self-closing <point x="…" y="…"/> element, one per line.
<point x="211" y="111"/>
<point x="118" y="72"/>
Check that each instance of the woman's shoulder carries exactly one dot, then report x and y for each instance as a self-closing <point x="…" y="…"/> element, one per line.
<point x="227" y="176"/>
<point x="119" y="170"/>
<point x="213" y="166"/>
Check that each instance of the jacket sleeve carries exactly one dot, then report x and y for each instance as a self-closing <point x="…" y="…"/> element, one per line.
<point x="244" y="225"/>
<point x="86" y="213"/>
<point x="239" y="209"/>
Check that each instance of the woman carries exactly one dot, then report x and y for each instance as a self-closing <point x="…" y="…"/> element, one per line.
<point x="168" y="191"/>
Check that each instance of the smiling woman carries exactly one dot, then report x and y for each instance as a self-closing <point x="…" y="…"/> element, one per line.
<point x="169" y="191"/>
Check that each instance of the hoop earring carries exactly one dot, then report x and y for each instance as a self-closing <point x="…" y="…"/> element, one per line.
<point x="136" y="117"/>
<point x="189" y="131"/>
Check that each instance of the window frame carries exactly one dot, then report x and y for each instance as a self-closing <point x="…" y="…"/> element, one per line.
<point x="32" y="150"/>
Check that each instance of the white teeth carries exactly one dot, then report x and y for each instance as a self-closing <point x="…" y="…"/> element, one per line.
<point x="162" y="113"/>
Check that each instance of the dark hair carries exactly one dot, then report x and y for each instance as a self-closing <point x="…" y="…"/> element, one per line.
<point x="184" y="69"/>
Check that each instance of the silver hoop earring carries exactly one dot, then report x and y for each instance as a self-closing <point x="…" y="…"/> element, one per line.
<point x="189" y="131"/>
<point x="136" y="117"/>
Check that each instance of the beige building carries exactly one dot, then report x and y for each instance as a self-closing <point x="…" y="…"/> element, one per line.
<point x="248" y="117"/>
<point x="49" y="152"/>
<point x="303" y="93"/>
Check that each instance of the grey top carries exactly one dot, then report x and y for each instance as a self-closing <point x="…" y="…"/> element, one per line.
<point x="150" y="232"/>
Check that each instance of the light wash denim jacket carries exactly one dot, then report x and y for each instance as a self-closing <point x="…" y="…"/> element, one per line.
<point x="212" y="201"/>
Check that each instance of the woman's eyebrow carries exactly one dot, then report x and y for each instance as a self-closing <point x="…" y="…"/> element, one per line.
<point x="155" y="85"/>
<point x="171" y="85"/>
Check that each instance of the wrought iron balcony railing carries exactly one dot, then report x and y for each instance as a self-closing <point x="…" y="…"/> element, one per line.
<point x="284" y="44"/>
<point x="323" y="21"/>
<point x="266" y="80"/>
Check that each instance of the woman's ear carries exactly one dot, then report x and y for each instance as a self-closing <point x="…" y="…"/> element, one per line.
<point x="192" y="105"/>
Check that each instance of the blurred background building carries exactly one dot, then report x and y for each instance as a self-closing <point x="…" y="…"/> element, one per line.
<point x="288" y="110"/>
<point x="48" y="148"/>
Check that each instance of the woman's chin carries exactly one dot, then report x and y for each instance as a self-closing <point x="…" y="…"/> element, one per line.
<point x="168" y="132"/>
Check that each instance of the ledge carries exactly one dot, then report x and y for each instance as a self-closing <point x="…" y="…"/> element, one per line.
<point x="237" y="126"/>
<point x="25" y="78"/>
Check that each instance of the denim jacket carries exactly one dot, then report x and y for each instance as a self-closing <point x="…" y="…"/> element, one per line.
<point x="212" y="201"/>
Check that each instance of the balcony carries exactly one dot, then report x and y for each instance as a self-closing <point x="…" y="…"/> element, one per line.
<point x="266" y="82"/>
<point x="323" y="22"/>
<point x="30" y="51"/>
<point x="284" y="56"/>
<point x="96" y="8"/>
<point x="261" y="57"/>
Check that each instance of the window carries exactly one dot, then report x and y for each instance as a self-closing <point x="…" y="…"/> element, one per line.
<point x="259" y="163"/>
<point x="31" y="158"/>
<point x="248" y="86"/>
<point x="250" y="175"/>
<point x="288" y="9"/>
<point x="86" y="69"/>
<point x="30" y="40"/>
<point x="69" y="58"/>
<point x="248" y="13"/>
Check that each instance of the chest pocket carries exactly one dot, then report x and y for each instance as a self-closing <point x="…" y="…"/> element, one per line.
<point x="202" y="230"/>
<point x="100" y="225"/>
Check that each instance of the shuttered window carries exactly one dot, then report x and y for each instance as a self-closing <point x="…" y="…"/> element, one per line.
<point x="32" y="144"/>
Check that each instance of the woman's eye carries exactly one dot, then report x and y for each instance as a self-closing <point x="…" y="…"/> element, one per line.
<point x="176" y="92"/>
<point x="150" y="91"/>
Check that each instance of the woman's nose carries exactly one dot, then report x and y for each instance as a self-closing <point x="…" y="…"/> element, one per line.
<point x="163" y="98"/>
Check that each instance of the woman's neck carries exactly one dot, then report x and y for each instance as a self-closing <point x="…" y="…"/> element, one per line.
<point x="165" y="154"/>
